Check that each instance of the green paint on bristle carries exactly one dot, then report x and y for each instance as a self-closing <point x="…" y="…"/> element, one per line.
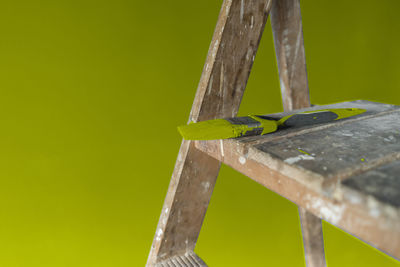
<point x="222" y="129"/>
<point x="347" y="112"/>
<point x="207" y="130"/>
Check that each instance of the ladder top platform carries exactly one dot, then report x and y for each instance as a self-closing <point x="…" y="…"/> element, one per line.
<point x="346" y="172"/>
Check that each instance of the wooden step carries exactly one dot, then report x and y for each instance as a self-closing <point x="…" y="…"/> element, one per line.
<point x="189" y="259"/>
<point x="345" y="172"/>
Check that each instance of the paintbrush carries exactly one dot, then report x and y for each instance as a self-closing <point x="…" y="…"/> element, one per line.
<point x="261" y="124"/>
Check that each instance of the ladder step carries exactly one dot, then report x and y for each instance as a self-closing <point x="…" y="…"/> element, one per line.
<point x="189" y="259"/>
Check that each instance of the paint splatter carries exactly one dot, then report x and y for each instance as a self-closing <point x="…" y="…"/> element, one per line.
<point x="298" y="158"/>
<point x="304" y="152"/>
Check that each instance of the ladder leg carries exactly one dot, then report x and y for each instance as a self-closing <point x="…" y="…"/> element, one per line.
<point x="287" y="29"/>
<point x="228" y="64"/>
<point x="185" y="205"/>
<point x="313" y="241"/>
<point x="289" y="47"/>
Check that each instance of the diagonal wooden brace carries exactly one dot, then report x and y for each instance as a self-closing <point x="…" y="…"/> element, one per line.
<point x="225" y="74"/>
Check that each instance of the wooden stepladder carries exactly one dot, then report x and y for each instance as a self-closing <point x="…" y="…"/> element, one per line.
<point x="230" y="58"/>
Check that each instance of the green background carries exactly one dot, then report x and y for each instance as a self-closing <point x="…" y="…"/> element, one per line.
<point x="91" y="93"/>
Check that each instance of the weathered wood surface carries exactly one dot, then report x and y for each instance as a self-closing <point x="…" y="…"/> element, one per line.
<point x="353" y="146"/>
<point x="382" y="182"/>
<point x="230" y="58"/>
<point x="292" y="174"/>
<point x="289" y="48"/>
<point x="372" y="109"/>
<point x="225" y="74"/>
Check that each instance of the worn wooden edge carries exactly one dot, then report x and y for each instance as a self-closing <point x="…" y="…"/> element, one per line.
<point x="230" y="58"/>
<point x="225" y="74"/>
<point x="205" y="79"/>
<point x="349" y="210"/>
<point x="185" y="205"/>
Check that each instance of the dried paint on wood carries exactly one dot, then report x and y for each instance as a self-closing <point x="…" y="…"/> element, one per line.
<point x="225" y="74"/>
<point x="348" y="208"/>
<point x="340" y="150"/>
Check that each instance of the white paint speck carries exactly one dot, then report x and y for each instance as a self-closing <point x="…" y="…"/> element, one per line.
<point x="249" y="53"/>
<point x="297" y="48"/>
<point x="373" y="207"/>
<point x="242" y="160"/>
<point x="347" y="134"/>
<point x="179" y="216"/>
<point x="390" y="138"/>
<point x="210" y="85"/>
<point x="330" y="212"/>
<point x="166" y="210"/>
<point x="221" y="82"/>
<point x="374" y="212"/>
<point x="222" y="147"/>
<point x="284" y="91"/>
<point x="353" y="198"/>
<point x="206" y="186"/>
<point x="215" y="48"/>
<point x="287" y="48"/>
<point x="159" y="234"/>
<point x="298" y="158"/>
<point x="252" y="22"/>
<point x="285" y="32"/>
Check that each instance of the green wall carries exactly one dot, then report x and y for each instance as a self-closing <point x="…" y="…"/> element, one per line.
<point x="91" y="93"/>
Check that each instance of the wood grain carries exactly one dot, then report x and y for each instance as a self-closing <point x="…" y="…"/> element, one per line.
<point x="289" y="48"/>
<point x="351" y="208"/>
<point x="225" y="74"/>
<point x="313" y="241"/>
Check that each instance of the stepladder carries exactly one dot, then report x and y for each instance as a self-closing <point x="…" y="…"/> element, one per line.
<point x="231" y="54"/>
<point x="227" y="68"/>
